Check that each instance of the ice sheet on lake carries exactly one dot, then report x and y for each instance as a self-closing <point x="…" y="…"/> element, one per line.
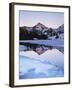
<point x="53" y="56"/>
<point x="22" y="47"/>
<point x="48" y="64"/>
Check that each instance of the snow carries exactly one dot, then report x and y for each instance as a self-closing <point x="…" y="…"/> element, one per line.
<point x="22" y="47"/>
<point x="48" y="64"/>
<point x="31" y="54"/>
<point x="32" y="68"/>
<point x="61" y="28"/>
<point x="38" y="28"/>
<point x="61" y="36"/>
<point x="52" y="38"/>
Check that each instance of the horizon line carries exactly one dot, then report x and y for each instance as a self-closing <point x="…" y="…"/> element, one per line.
<point x="40" y="23"/>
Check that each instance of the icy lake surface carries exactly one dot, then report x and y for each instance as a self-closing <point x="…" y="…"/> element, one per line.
<point x="46" y="65"/>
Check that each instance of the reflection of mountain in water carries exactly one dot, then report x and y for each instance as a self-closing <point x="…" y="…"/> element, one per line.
<point x="41" y="60"/>
<point x="38" y="48"/>
<point x="48" y="64"/>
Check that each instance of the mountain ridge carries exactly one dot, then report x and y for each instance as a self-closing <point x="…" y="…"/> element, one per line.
<point x="39" y="31"/>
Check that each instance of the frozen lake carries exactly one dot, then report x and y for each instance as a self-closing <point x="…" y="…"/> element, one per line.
<point x="41" y="58"/>
<point x="46" y="65"/>
<point x="54" y="43"/>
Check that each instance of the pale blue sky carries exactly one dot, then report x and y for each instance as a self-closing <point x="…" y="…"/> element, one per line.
<point x="49" y="19"/>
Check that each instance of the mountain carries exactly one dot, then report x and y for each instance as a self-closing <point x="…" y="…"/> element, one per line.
<point x="40" y="27"/>
<point x="25" y="33"/>
<point x="60" y="29"/>
<point x="40" y="31"/>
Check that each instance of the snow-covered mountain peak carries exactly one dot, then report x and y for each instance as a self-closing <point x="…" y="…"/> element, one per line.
<point x="40" y="26"/>
<point x="62" y="26"/>
<point x="61" y="29"/>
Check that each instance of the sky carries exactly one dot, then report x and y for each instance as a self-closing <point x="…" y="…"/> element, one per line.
<point x="49" y="19"/>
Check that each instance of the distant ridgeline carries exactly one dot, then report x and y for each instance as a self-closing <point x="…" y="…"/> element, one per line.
<point x="40" y="31"/>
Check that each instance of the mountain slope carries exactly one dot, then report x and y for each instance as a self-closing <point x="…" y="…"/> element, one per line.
<point x="40" y="31"/>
